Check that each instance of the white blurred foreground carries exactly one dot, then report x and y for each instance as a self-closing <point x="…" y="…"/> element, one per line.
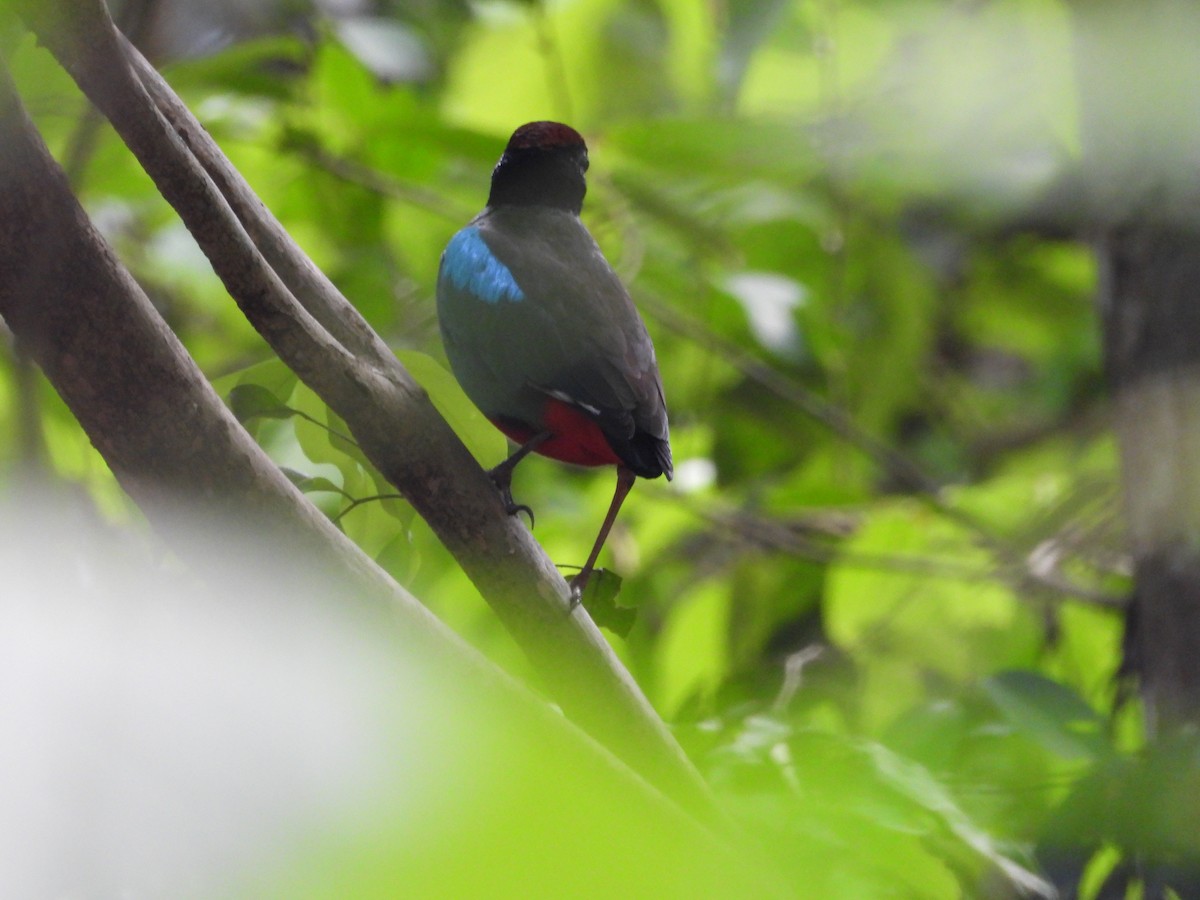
<point x="161" y="740"/>
<point x="260" y="733"/>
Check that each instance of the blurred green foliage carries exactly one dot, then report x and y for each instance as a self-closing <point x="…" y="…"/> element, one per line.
<point x="881" y="600"/>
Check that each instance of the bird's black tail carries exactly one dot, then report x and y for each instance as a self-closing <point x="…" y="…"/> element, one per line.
<point x="646" y="455"/>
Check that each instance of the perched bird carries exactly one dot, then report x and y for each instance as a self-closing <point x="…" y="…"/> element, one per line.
<point x="540" y="332"/>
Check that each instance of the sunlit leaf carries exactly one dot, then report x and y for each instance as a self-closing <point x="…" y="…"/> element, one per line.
<point x="486" y="444"/>
<point x="913" y="588"/>
<point x="692" y="652"/>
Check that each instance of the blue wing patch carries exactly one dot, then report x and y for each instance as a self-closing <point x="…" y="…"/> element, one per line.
<point x="470" y="266"/>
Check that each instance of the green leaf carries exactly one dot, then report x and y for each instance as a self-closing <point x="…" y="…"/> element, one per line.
<point x="256" y="67"/>
<point x="311" y="484"/>
<point x="271" y="374"/>
<point x="913" y="593"/>
<point x="253" y="401"/>
<point x="693" y="652"/>
<point x="599" y="599"/>
<point x="486" y="444"/>
<point x="918" y="784"/>
<point x="1052" y="713"/>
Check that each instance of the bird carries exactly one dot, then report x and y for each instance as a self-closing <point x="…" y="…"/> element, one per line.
<point x="541" y="333"/>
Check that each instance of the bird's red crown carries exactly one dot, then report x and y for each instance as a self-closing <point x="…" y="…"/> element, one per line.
<point x="544" y="136"/>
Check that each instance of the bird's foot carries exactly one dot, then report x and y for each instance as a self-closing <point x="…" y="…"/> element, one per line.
<point x="502" y="477"/>
<point x="578" y="585"/>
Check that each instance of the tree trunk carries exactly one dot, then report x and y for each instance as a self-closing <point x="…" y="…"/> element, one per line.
<point x="1137" y="70"/>
<point x="1151" y="314"/>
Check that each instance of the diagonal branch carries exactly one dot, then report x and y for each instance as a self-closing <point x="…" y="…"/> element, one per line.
<point x="308" y="284"/>
<point x="328" y="347"/>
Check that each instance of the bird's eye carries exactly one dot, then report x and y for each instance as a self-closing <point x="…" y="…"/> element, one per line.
<point x="583" y="161"/>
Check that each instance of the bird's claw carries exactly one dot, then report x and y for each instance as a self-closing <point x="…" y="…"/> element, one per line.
<point x="513" y="508"/>
<point x="503" y="481"/>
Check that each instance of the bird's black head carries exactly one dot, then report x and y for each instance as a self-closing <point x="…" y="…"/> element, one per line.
<point x="543" y="165"/>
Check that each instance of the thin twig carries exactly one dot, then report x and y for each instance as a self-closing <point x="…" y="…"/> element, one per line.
<point x="359" y="501"/>
<point x="794" y="537"/>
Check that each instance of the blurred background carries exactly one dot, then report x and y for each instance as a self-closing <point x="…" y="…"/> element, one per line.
<point x="881" y="602"/>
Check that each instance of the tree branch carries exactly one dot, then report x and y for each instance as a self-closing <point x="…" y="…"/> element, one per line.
<point x="309" y="286"/>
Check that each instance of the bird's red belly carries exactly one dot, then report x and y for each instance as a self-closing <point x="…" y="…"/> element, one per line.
<point x="574" y="438"/>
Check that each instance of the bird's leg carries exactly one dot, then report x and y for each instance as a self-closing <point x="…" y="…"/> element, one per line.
<point x="501" y="475"/>
<point x="625" y="480"/>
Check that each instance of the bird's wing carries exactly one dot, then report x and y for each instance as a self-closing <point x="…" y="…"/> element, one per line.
<point x="578" y="335"/>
